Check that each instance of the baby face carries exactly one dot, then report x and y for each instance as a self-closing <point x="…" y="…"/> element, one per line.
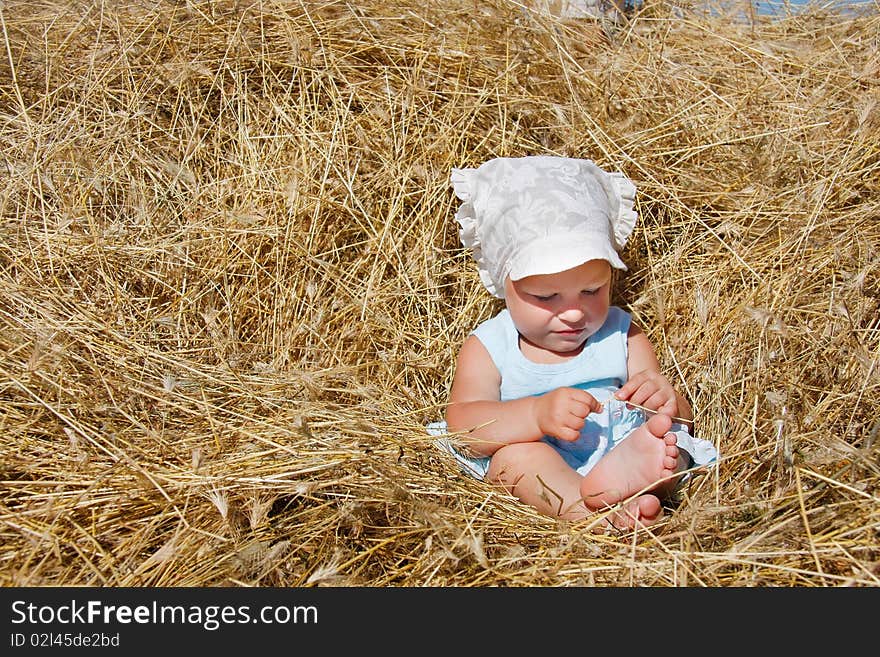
<point x="558" y="312"/>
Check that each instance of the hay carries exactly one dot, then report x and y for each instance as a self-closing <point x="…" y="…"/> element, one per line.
<point x="232" y="288"/>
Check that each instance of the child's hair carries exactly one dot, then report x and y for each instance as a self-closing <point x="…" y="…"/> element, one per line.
<point x="541" y="214"/>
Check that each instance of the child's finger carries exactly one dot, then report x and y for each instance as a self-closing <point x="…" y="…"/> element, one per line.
<point x="576" y="422"/>
<point x="591" y="404"/>
<point x="642" y="395"/>
<point x="660" y="402"/>
<point x="628" y="388"/>
<point x="567" y="434"/>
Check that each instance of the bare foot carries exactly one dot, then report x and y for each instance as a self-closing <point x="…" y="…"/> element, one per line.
<point x="644" y="457"/>
<point x="643" y="511"/>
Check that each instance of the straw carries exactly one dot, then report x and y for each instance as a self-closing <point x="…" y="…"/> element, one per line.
<point x="232" y="291"/>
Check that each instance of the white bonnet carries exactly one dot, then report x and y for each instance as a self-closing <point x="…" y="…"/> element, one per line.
<point x="541" y="215"/>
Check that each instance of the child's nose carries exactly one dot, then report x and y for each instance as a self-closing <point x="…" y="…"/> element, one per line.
<point x="573" y="314"/>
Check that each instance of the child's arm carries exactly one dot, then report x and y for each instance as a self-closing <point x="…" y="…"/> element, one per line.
<point x="645" y="385"/>
<point x="475" y="406"/>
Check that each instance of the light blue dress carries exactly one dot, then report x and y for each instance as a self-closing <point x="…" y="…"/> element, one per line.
<point x="600" y="369"/>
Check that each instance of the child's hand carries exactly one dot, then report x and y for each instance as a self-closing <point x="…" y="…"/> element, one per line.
<point x="561" y="412"/>
<point x="652" y="390"/>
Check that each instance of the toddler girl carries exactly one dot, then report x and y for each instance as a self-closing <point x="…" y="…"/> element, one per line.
<point x="546" y="394"/>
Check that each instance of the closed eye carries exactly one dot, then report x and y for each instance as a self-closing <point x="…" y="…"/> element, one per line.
<point x="543" y="298"/>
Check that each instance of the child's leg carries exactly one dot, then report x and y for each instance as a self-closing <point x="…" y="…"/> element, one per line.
<point x="538" y="475"/>
<point x="644" y="457"/>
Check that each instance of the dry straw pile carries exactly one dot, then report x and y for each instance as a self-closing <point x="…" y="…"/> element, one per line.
<point x="231" y="287"/>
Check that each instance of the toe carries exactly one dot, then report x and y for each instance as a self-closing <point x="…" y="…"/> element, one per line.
<point x="659" y="424"/>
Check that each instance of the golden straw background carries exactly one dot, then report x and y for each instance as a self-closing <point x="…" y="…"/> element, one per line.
<point x="232" y="290"/>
